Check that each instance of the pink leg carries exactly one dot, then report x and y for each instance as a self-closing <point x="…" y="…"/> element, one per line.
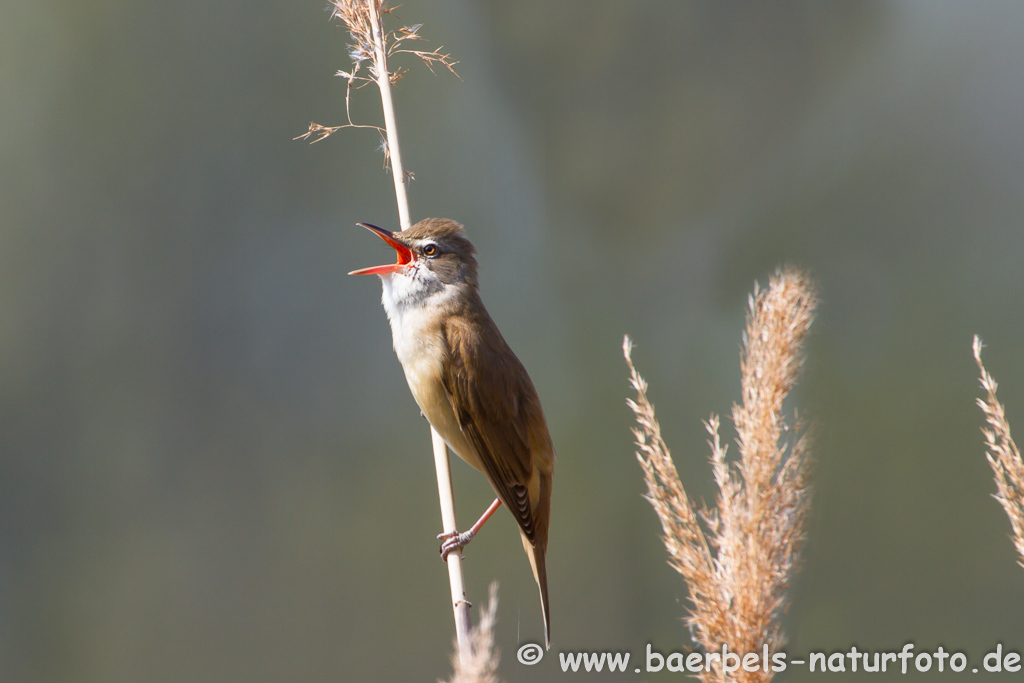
<point x="453" y="540"/>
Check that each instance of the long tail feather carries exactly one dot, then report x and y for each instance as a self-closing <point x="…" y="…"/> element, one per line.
<point x="540" y="575"/>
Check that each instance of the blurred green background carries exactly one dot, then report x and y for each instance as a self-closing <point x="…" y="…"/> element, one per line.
<point x="210" y="465"/>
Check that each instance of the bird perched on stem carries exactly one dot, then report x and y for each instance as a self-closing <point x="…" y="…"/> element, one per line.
<point x="466" y="380"/>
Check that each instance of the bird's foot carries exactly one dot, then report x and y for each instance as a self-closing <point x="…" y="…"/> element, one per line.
<point x="454" y="540"/>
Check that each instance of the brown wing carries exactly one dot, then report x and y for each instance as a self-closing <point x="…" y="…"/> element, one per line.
<point x="494" y="402"/>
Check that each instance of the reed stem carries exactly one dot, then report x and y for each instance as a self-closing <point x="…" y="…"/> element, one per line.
<point x="446" y="493"/>
<point x="383" y="78"/>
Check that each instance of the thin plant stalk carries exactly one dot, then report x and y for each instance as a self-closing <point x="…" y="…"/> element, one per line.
<point x="383" y="79"/>
<point x="371" y="43"/>
<point x="460" y="604"/>
<point x="482" y="666"/>
<point x="442" y="464"/>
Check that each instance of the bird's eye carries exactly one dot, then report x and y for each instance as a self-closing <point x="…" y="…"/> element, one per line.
<point x="430" y="250"/>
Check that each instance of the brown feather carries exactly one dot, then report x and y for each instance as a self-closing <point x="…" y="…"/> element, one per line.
<point x="499" y="413"/>
<point x="495" y="403"/>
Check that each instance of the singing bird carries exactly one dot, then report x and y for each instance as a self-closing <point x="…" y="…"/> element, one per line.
<point x="467" y="381"/>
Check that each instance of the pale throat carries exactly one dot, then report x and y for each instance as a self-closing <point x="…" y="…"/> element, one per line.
<point x="417" y="304"/>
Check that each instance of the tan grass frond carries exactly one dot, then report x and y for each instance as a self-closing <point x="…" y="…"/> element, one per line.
<point x="317" y="132"/>
<point x="683" y="537"/>
<point x="739" y="558"/>
<point x="482" y="664"/>
<point x="1002" y="455"/>
<point x="355" y="15"/>
<point x="432" y="58"/>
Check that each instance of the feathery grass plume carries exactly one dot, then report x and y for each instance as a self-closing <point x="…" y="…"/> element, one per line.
<point x="355" y="15"/>
<point x="1002" y="455"/>
<point x="482" y="665"/>
<point x="739" y="559"/>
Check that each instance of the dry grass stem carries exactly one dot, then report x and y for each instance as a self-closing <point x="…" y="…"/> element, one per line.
<point x="739" y="558"/>
<point x="481" y="666"/>
<point x="1002" y="455"/>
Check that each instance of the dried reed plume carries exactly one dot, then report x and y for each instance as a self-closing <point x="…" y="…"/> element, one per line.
<point x="482" y="664"/>
<point x="1002" y="455"/>
<point x="739" y="559"/>
<point x="357" y="19"/>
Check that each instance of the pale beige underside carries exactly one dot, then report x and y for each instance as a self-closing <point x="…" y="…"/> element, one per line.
<point x="420" y="348"/>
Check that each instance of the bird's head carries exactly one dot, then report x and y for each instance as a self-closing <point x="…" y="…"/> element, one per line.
<point x="435" y="259"/>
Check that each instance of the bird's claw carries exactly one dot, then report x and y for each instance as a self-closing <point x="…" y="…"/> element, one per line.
<point x="454" y="540"/>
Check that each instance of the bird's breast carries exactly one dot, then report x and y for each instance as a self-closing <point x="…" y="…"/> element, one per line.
<point x="420" y="348"/>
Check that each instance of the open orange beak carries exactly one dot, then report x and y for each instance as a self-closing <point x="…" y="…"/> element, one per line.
<point x="405" y="255"/>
